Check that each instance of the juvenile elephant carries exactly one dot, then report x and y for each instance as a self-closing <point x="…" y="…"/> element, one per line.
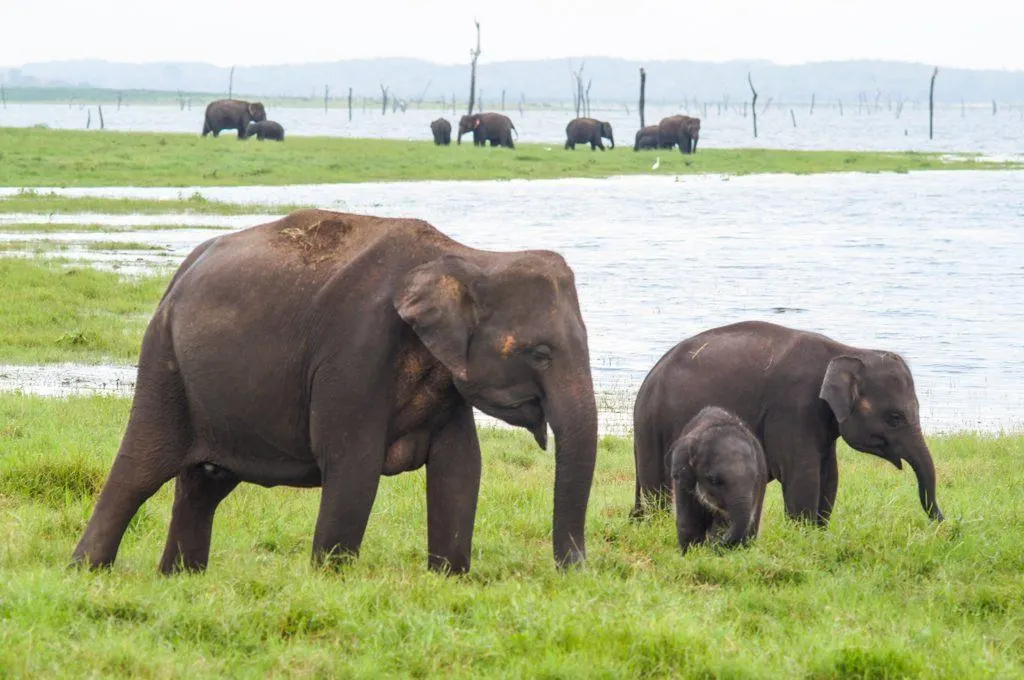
<point x="266" y="129"/>
<point x="646" y="138"/>
<point x="327" y="349"/>
<point x="232" y="114"/>
<point x="681" y="130"/>
<point x="588" y="131"/>
<point x="719" y="477"/>
<point x="799" y="392"/>
<point x="495" y="128"/>
<point x="442" y="131"/>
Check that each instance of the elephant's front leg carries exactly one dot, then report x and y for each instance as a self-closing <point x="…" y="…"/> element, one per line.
<point x="692" y="520"/>
<point x="453" y="485"/>
<point x="829" y="485"/>
<point x="797" y="453"/>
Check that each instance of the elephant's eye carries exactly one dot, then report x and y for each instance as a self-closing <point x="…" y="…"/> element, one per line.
<point x="895" y="419"/>
<point x="540" y="356"/>
<point x="715" y="480"/>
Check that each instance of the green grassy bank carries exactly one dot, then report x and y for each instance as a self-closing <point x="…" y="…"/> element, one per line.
<point x="49" y="203"/>
<point x="38" y="158"/>
<point x="882" y="593"/>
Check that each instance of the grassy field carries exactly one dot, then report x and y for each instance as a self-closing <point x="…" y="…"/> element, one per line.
<point x="49" y="203"/>
<point x="43" y="158"/>
<point x="52" y="312"/>
<point x="882" y="593"/>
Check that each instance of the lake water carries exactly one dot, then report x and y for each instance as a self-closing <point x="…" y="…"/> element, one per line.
<point x="972" y="129"/>
<point x="930" y="265"/>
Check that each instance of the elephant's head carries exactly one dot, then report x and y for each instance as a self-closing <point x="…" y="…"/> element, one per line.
<point x="509" y="329"/>
<point x="257" y="112"/>
<point x="606" y="132"/>
<point x="875" y="404"/>
<point x="467" y="123"/>
<point x="721" y="464"/>
<point x="695" y="132"/>
<point x="252" y="129"/>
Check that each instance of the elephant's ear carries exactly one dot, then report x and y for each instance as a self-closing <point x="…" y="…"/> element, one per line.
<point x="839" y="388"/>
<point x="437" y="299"/>
<point x="683" y="458"/>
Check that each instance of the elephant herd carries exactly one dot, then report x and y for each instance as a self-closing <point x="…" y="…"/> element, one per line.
<point x="249" y="118"/>
<point x="328" y="349"/>
<point x="497" y="129"/>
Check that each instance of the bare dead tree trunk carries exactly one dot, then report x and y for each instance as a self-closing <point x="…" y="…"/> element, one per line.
<point x="931" y="104"/>
<point x="99" y="108"/>
<point x="589" y="83"/>
<point x="88" y="118"/>
<point x="840" y="106"/>
<point x="643" y="83"/>
<point x="231" y="82"/>
<point x="327" y="91"/>
<point x="502" y="99"/>
<point x="118" y="101"/>
<point x="383" y="100"/>
<point x="350" y="103"/>
<point x="522" y="103"/>
<point x="766" y="105"/>
<point x="993" y="107"/>
<point x="472" y="69"/>
<point x="3" y="95"/>
<point x="793" y="116"/>
<point x="811" y="112"/>
<point x="753" y="102"/>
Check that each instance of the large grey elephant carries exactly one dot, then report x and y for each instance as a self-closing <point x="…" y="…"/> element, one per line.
<point x="327" y="349"/>
<point x="232" y="114"/>
<point x="681" y="130"/>
<point x="646" y="138"/>
<point x="442" y="131"/>
<point x="588" y="131"/>
<point x="799" y="392"/>
<point x="718" y="479"/>
<point x="266" y="129"/>
<point x="495" y="128"/>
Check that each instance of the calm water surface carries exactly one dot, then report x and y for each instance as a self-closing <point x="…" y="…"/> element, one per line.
<point x="930" y="265"/>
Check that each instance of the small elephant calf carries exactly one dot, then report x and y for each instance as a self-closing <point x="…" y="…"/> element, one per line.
<point x="266" y="129"/>
<point x="719" y="477"/>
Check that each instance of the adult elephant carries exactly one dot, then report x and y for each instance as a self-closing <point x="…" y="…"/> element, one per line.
<point x="232" y="114"/>
<point x="646" y="138"/>
<point x="495" y="128"/>
<point x="266" y="129"/>
<point x="328" y="349"/>
<point x="798" y="392"/>
<point x="681" y="130"/>
<point x="442" y="131"/>
<point x="588" y="131"/>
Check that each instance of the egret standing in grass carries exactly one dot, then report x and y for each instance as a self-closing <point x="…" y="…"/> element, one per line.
<point x="657" y="163"/>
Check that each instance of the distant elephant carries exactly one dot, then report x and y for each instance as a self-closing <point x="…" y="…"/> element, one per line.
<point x="327" y="349"/>
<point x="232" y="114"/>
<point x="588" y="131"/>
<point x="442" y="131"/>
<point x="719" y="478"/>
<point x="681" y="130"/>
<point x="495" y="128"/>
<point x="266" y="129"/>
<point x="646" y="138"/>
<point x="798" y="391"/>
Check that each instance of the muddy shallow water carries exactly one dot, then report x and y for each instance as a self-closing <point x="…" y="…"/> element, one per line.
<point x="930" y="265"/>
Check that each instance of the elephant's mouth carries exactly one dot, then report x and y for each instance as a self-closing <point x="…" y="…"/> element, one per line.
<point x="525" y="412"/>
<point x="878" y="446"/>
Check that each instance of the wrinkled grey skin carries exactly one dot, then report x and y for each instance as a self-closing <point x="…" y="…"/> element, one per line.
<point x="798" y="392"/>
<point x="719" y="477"/>
<point x="266" y="129"/>
<point x="588" y="131"/>
<point x="442" y="131"/>
<point x="681" y="130"/>
<point x="232" y="114"/>
<point x="495" y="128"/>
<point x="328" y="349"/>
<point x="646" y="138"/>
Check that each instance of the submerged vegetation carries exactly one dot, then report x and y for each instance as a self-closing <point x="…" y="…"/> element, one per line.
<point x="50" y="203"/>
<point x="60" y="158"/>
<point x="881" y="593"/>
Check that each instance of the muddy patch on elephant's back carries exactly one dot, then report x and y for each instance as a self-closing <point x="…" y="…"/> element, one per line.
<point x="316" y="236"/>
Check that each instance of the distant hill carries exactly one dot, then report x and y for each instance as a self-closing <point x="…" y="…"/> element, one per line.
<point x="543" y="81"/>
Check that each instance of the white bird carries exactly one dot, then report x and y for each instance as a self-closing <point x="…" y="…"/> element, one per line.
<point x="657" y="163"/>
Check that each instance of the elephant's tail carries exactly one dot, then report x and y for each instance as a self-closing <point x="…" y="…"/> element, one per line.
<point x="513" y="126"/>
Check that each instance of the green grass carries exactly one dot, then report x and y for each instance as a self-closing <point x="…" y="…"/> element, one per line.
<point x="52" y="312"/>
<point x="35" y="202"/>
<point x="47" y="245"/>
<point x="33" y="157"/>
<point x="55" y="227"/>
<point x="882" y="593"/>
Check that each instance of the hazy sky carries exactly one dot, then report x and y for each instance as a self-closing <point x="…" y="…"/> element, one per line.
<point x="975" y="34"/>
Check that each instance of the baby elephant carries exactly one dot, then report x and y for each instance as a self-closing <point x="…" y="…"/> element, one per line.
<point x="719" y="474"/>
<point x="267" y="129"/>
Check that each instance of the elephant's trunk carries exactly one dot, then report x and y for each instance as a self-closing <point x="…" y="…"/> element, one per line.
<point x="920" y="460"/>
<point x="742" y="527"/>
<point x="695" y="138"/>
<point x="572" y="411"/>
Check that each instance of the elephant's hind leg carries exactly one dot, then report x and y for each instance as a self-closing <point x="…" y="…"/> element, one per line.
<point x="152" y="451"/>
<point x="197" y="493"/>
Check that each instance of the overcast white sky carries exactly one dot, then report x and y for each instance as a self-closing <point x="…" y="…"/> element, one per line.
<point x="974" y="34"/>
